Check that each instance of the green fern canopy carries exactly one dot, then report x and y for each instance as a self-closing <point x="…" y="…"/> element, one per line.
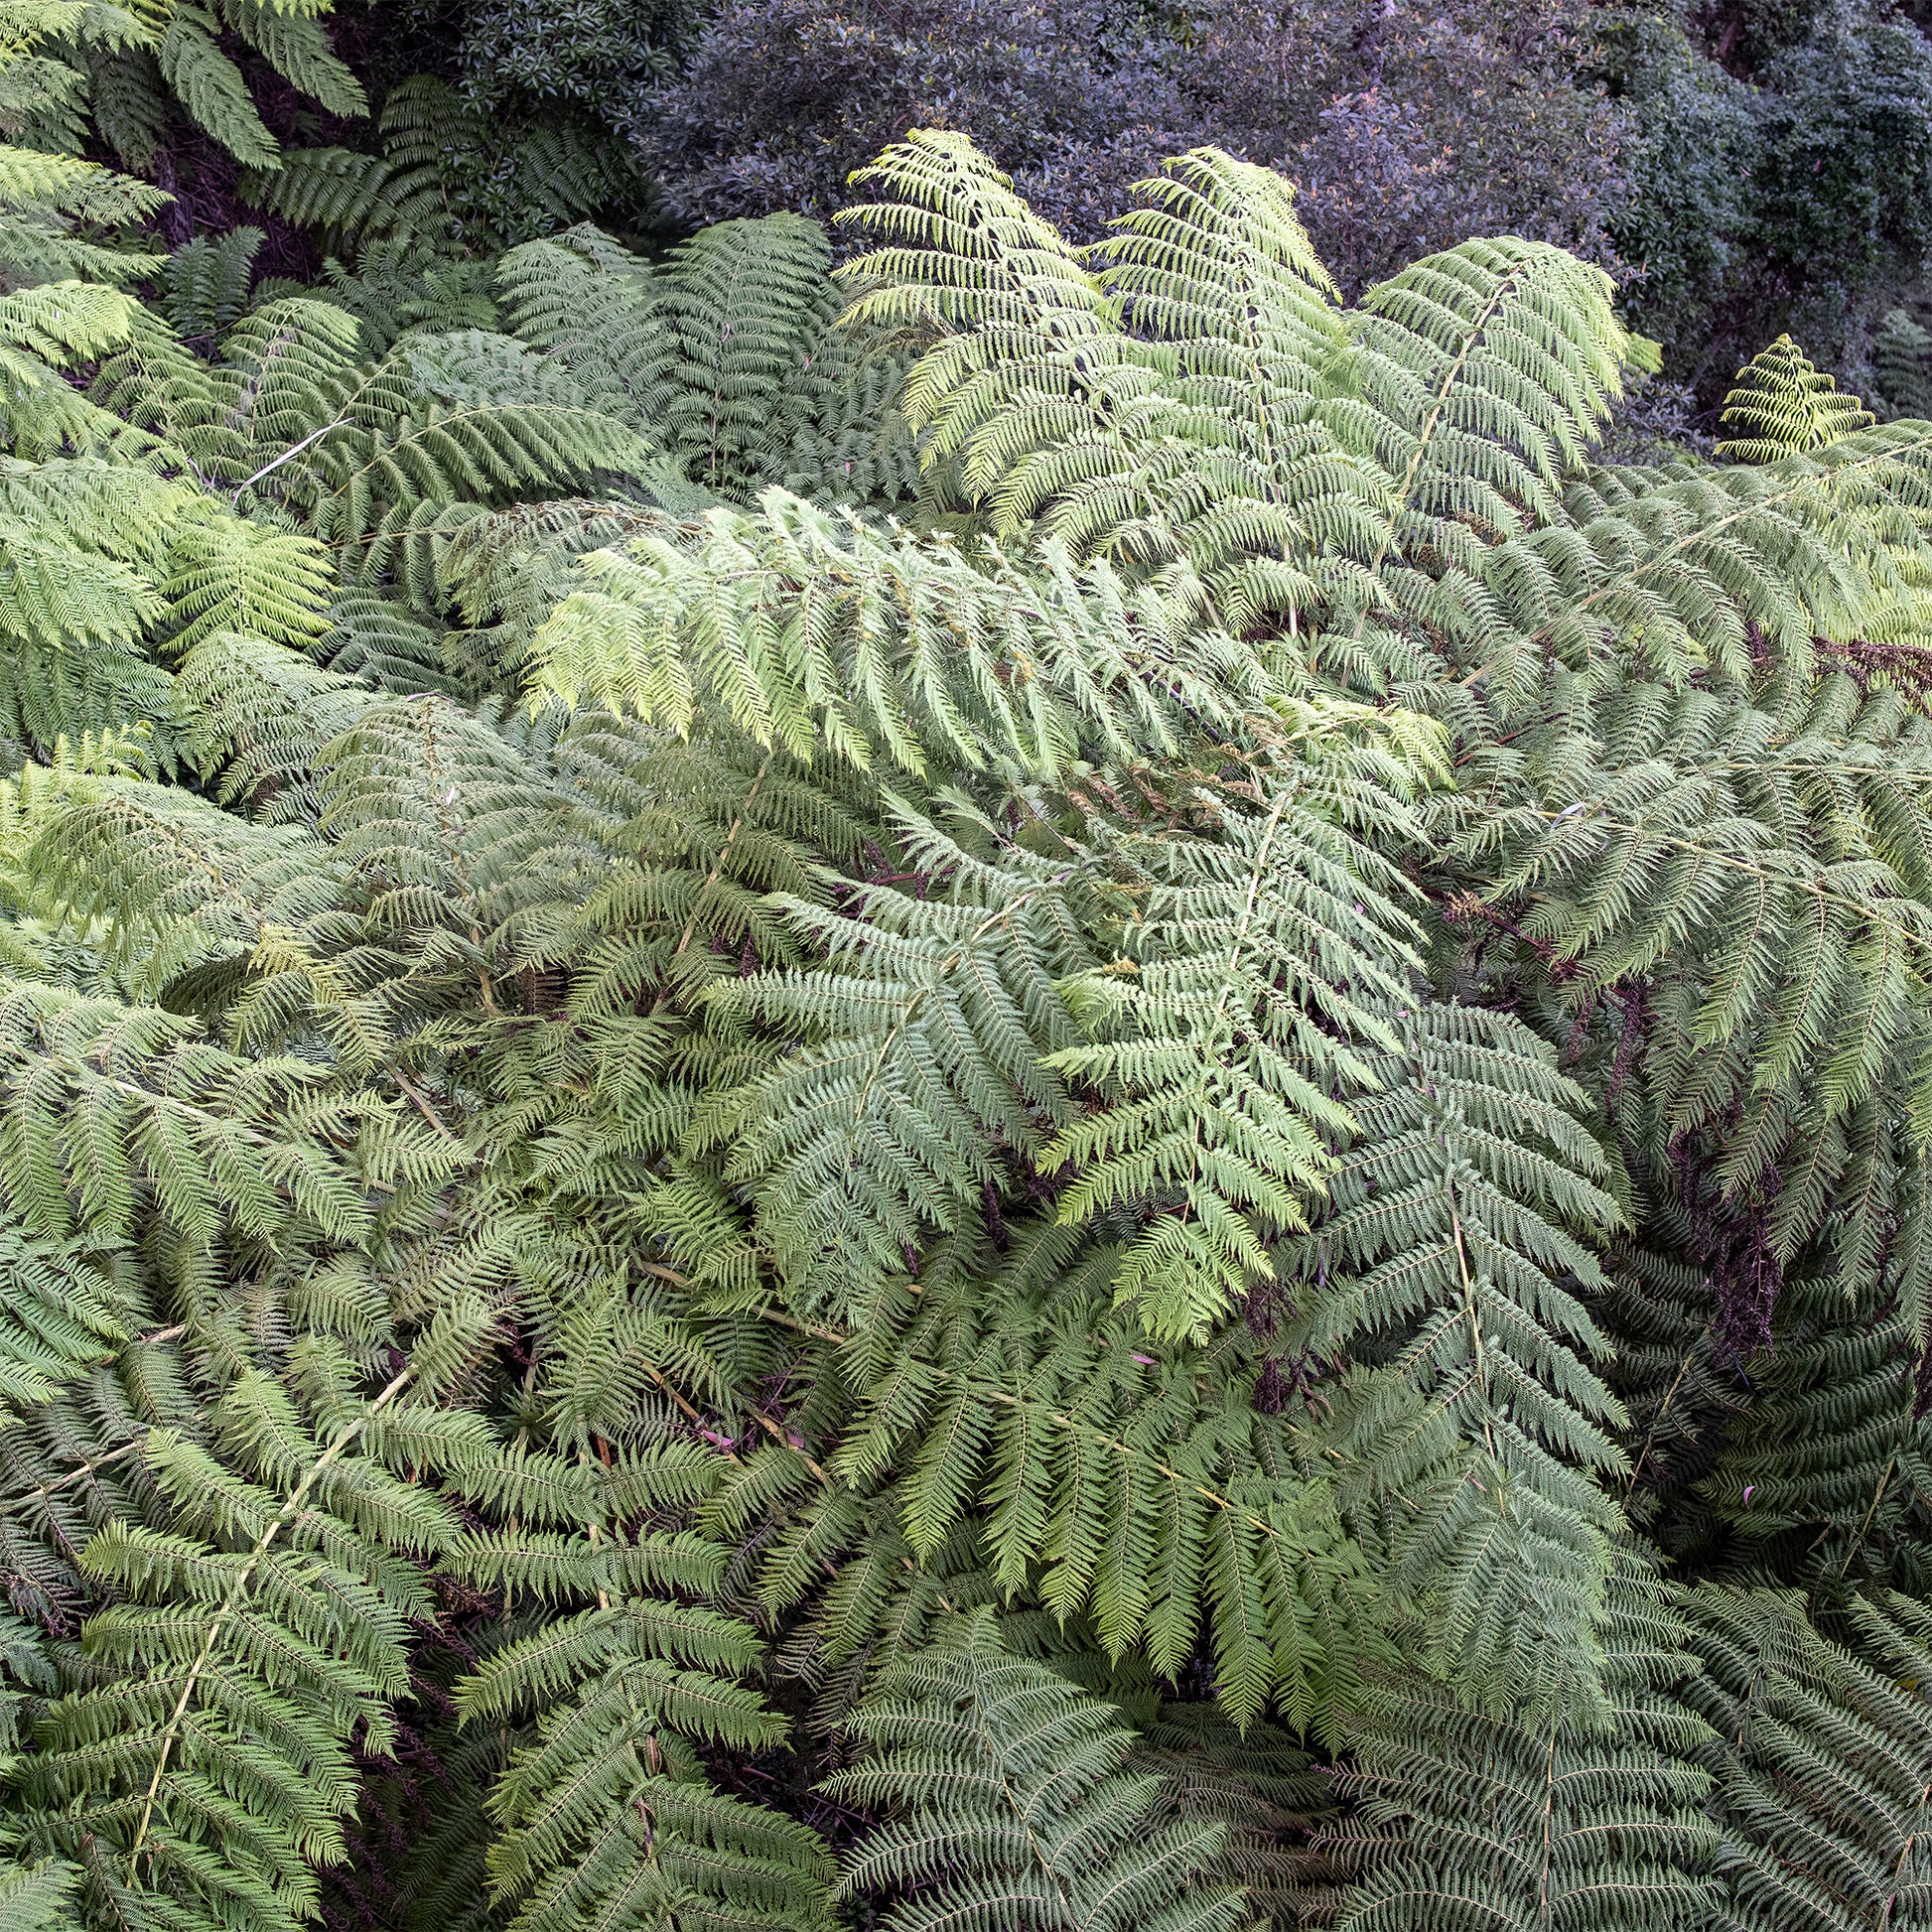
<point x="992" y="1084"/>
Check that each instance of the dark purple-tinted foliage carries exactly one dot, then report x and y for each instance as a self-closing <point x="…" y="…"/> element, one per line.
<point x="783" y="99"/>
<point x="1731" y="1237"/>
<point x="1410" y="126"/>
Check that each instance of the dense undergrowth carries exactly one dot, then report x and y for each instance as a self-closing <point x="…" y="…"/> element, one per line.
<point x="917" y="1075"/>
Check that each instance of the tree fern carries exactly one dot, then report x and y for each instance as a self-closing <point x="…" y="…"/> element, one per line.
<point x="884" y="645"/>
<point x="926" y="1029"/>
<point x="73" y="1458"/>
<point x="1270" y="1795"/>
<point x="1783" y="404"/>
<point x="1229" y="1047"/>
<point x="758" y="1065"/>
<point x="1680" y="1390"/>
<point x="1819" y="1478"/>
<point x="207" y="284"/>
<point x="307" y="491"/>
<point x="1901" y="353"/>
<point x="32" y="1896"/>
<point x="1463" y="348"/>
<point x="210" y="86"/>
<point x="746" y="308"/>
<point x="212" y="1756"/>
<point x="594" y="307"/>
<point x="1740" y="917"/>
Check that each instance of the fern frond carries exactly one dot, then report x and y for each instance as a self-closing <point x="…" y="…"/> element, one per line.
<point x="33" y="1897"/>
<point x="1819" y="1759"/>
<point x="449" y="179"/>
<point x="1824" y="1473"/>
<point x="595" y="308"/>
<point x="1013" y="1802"/>
<point x="293" y="43"/>
<point x="1230" y="1039"/>
<point x="1783" y="404"/>
<point x="1757" y="889"/>
<point x="1468" y="1820"/>
<point x="800" y="625"/>
<point x="1467" y="1205"/>
<point x="234" y="575"/>
<point x="928" y="1034"/>
<point x="210" y="87"/>
<point x="206" y="287"/>
<point x="1004" y="1422"/>
<point x="247" y="1644"/>
<point x="608" y="1812"/>
<point x="746" y="306"/>
<point x="182" y="884"/>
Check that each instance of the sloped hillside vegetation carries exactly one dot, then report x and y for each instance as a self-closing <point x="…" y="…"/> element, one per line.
<point x="913" y="1075"/>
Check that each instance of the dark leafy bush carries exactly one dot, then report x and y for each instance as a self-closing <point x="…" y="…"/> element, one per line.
<point x="783" y="99"/>
<point x="1406" y="124"/>
<point x="583" y="51"/>
<point x="1798" y="196"/>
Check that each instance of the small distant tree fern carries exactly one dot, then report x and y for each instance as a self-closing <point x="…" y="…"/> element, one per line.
<point x="728" y="352"/>
<point x="448" y="182"/>
<point x="1783" y="404"/>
